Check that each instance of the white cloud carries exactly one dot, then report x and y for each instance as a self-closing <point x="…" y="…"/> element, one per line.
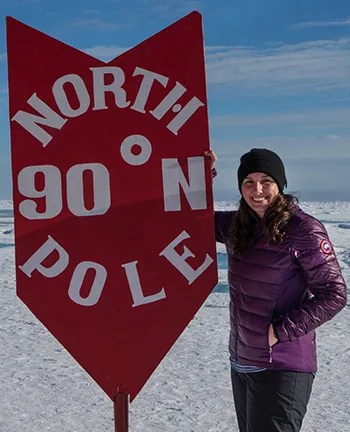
<point x="105" y="52"/>
<point x="315" y="119"/>
<point x="307" y="67"/>
<point x="305" y="148"/>
<point x="336" y="22"/>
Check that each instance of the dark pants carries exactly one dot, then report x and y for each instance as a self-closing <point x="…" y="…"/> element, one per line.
<point x="271" y="401"/>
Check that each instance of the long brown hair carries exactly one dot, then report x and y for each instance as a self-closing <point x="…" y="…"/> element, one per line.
<point x="246" y="223"/>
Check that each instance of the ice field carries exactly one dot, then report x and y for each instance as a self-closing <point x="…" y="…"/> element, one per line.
<point x="43" y="389"/>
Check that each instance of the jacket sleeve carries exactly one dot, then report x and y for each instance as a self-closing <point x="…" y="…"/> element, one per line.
<point x="223" y="221"/>
<point x="327" y="289"/>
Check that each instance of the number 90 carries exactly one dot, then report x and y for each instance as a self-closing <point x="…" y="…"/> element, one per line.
<point x="51" y="192"/>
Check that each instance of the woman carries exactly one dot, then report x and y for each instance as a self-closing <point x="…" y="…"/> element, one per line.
<point x="284" y="282"/>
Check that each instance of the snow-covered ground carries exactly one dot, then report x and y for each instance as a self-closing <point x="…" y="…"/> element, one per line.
<point x="42" y="389"/>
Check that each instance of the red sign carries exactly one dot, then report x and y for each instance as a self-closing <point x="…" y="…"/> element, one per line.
<point x="115" y="248"/>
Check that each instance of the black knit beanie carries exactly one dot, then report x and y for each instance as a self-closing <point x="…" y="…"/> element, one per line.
<point x="262" y="160"/>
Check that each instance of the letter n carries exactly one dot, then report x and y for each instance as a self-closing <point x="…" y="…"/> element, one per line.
<point x="174" y="178"/>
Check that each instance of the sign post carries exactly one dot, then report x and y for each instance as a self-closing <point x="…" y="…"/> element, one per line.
<point x="113" y="207"/>
<point x="121" y="412"/>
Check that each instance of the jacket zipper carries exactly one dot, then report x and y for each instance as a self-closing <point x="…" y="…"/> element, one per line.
<point x="270" y="354"/>
<point x="236" y="321"/>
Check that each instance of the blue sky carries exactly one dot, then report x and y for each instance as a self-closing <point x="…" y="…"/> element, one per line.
<point x="278" y="75"/>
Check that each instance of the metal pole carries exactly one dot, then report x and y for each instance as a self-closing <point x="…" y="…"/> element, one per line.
<point x="121" y="412"/>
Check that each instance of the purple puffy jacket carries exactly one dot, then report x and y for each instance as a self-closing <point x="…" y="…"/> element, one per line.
<point x="296" y="285"/>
